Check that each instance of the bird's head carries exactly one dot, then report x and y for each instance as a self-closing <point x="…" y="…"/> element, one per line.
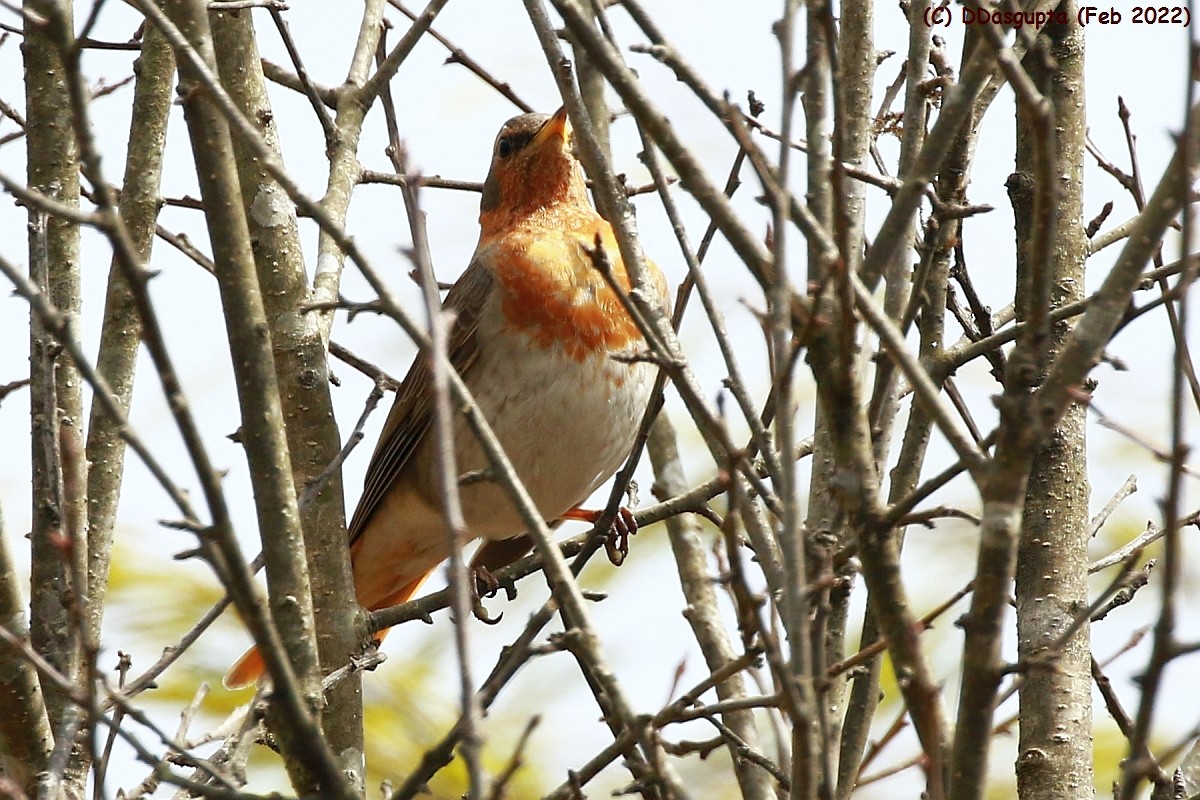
<point x="532" y="168"/>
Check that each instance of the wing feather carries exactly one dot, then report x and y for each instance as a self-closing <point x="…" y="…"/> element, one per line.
<point x="412" y="411"/>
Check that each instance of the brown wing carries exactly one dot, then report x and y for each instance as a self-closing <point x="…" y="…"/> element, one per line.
<point x="412" y="412"/>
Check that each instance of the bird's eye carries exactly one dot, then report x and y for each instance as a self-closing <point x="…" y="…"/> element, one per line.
<point x="504" y="147"/>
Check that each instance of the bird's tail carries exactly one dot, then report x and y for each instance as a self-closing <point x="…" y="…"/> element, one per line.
<point x="250" y="668"/>
<point x="246" y="670"/>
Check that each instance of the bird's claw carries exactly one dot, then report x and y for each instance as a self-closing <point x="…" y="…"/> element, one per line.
<point x="480" y="612"/>
<point x="483" y="584"/>
<point x="616" y="543"/>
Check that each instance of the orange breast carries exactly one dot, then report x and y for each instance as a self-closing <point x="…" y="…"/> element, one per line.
<point x="551" y="291"/>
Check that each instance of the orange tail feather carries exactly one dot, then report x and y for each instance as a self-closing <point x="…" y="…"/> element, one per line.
<point x="245" y="671"/>
<point x="248" y="669"/>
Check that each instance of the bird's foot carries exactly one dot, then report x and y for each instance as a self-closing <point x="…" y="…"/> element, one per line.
<point x="483" y="584"/>
<point x="616" y="542"/>
<point x="486" y="584"/>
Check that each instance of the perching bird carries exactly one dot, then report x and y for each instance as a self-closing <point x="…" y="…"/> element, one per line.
<point x="535" y="332"/>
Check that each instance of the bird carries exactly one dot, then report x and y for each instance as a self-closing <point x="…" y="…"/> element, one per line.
<point x="537" y="336"/>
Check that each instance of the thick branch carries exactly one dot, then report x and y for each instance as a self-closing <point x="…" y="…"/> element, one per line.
<point x="57" y="538"/>
<point x="1055" y="752"/>
<point x="302" y="374"/>
<point x="295" y="693"/>
<point x="25" y="736"/>
<point x="121" y="334"/>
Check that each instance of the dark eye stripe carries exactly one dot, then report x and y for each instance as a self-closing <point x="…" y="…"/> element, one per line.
<point x="507" y="145"/>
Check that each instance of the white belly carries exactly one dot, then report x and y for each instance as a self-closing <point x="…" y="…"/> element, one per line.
<point x="566" y="426"/>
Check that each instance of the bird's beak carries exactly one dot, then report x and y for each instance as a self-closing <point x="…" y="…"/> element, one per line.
<point x="557" y="127"/>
